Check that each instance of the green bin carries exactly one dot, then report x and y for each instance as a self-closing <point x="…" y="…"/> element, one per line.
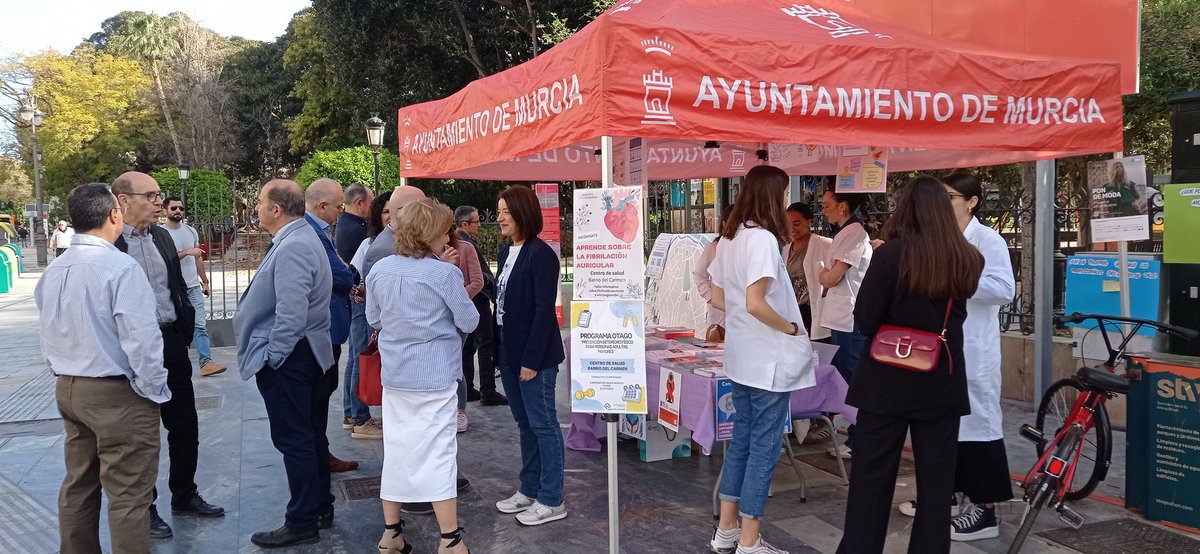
<point x="1162" y="477"/>
<point x="7" y="271"/>
<point x="19" y="260"/>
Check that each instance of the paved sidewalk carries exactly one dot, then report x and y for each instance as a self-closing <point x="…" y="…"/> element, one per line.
<point x="665" y="506"/>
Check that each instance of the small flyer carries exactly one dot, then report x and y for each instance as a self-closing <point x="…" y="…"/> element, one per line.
<point x="637" y="167"/>
<point x="1119" y="203"/>
<point x="724" y="409"/>
<point x="658" y="256"/>
<point x="862" y="169"/>
<point x="669" y="387"/>
<point x="609" y="263"/>
<point x="608" y="357"/>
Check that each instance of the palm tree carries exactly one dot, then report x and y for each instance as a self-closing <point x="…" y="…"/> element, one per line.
<point x="148" y="37"/>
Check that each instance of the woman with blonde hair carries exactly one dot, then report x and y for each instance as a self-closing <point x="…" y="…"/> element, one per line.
<point x="422" y="311"/>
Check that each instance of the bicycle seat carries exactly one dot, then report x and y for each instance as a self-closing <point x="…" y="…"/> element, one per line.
<point x="1103" y="380"/>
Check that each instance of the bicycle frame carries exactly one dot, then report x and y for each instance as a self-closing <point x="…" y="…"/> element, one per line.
<point x="1082" y="417"/>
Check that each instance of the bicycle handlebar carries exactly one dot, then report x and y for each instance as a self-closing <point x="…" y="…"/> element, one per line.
<point x="1188" y="334"/>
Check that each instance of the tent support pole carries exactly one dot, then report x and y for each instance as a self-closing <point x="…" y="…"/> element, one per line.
<point x="614" y="514"/>
<point x="1043" y="280"/>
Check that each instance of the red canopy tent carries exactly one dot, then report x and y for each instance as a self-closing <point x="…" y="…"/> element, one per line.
<point x="814" y="75"/>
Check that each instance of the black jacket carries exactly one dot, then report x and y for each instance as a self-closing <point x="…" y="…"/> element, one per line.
<point x="887" y="390"/>
<point x="530" y="331"/>
<point x="185" y="314"/>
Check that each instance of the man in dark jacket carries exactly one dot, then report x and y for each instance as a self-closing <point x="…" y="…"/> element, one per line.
<point x="152" y="246"/>
<point x="323" y="203"/>
<point x="466" y="219"/>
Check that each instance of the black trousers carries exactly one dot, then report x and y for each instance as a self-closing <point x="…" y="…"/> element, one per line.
<point x="297" y="404"/>
<point x="179" y="417"/>
<point x="982" y="472"/>
<point x="878" y="442"/>
<point x="482" y="340"/>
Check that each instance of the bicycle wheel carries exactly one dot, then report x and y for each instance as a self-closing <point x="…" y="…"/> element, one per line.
<point x="1092" y="466"/>
<point x="1044" y="490"/>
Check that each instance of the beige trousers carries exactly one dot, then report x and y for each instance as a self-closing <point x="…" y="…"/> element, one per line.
<point x="112" y="445"/>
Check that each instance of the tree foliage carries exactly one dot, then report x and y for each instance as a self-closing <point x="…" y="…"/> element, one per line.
<point x="150" y="37"/>
<point x="1170" y="63"/>
<point x="350" y="165"/>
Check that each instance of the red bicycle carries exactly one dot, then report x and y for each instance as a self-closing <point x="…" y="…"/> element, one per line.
<point x="1073" y="435"/>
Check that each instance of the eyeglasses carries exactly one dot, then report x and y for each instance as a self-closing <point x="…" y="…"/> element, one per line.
<point x="152" y="196"/>
<point x="956" y="195"/>
<point x="175" y="209"/>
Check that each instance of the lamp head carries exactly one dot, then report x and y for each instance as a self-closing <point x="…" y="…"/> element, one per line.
<point x="375" y="131"/>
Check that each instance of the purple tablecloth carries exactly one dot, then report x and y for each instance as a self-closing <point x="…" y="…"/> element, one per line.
<point x="697" y="409"/>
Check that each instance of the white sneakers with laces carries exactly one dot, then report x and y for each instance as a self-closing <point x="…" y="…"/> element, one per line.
<point x="724" y="541"/>
<point x="514" y="504"/>
<point x="539" y="513"/>
<point x="761" y="548"/>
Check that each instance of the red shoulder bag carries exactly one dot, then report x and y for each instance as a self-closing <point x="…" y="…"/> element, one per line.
<point x="911" y="349"/>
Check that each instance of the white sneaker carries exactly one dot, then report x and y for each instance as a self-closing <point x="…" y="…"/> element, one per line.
<point x="910" y="508"/>
<point x="761" y="548"/>
<point x="539" y="513"/>
<point x="843" y="448"/>
<point x="724" y="542"/>
<point x="514" y="504"/>
<point x="462" y="421"/>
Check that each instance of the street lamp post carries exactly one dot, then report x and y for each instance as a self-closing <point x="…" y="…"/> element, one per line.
<point x="375" y="139"/>
<point x="184" y="171"/>
<point x="30" y="115"/>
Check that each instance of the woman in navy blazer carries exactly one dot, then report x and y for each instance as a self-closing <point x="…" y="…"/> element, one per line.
<point x="529" y="353"/>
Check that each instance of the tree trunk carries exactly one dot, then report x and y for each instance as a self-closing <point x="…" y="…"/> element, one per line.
<point x="472" y="53"/>
<point x="162" y="100"/>
<point x="533" y="33"/>
<point x="1028" y="279"/>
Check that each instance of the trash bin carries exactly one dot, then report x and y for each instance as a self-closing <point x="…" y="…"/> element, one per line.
<point x="18" y="260"/>
<point x="1162" y="477"/>
<point x="7" y="270"/>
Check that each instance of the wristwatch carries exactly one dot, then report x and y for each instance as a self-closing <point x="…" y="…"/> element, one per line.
<point x="795" y="329"/>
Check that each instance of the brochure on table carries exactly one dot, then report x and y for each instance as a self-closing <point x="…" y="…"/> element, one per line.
<point x="608" y="342"/>
<point x="670" y="389"/>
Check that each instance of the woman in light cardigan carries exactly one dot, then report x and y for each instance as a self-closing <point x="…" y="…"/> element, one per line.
<point x="422" y="311"/>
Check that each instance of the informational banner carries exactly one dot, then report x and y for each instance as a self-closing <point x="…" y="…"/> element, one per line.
<point x="724" y="409"/>
<point x="547" y="194"/>
<point x="1094" y="286"/>
<point x="862" y="169"/>
<point x="608" y="357"/>
<point x="670" y="389"/>
<point x="1118" y="199"/>
<point x="608" y="244"/>
<point x="1181" y="226"/>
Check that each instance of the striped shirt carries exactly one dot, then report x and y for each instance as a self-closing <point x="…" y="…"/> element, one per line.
<point x="99" y="299"/>
<point x="422" y="312"/>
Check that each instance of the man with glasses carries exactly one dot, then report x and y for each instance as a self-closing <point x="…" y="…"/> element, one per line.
<point x="154" y="250"/>
<point x="191" y="261"/>
<point x="466" y="219"/>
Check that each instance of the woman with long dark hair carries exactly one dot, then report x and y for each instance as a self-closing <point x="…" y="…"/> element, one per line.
<point x="920" y="278"/>
<point x="530" y="349"/>
<point x="846" y="262"/>
<point x="767" y="352"/>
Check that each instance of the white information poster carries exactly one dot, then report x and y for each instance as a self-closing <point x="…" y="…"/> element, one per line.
<point x="609" y="263"/>
<point x="608" y="357"/>
<point x="1118" y="191"/>
<point x="658" y="256"/>
<point x="669" y="391"/>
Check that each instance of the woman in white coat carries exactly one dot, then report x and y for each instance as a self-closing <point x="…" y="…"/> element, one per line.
<point x="982" y="469"/>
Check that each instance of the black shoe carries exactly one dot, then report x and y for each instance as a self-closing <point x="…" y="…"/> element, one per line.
<point x="463" y="483"/>
<point x="284" y="537"/>
<point x="158" y="528"/>
<point x="493" y="398"/>
<point x="196" y="506"/>
<point x="472" y="395"/>
<point x="417" y="508"/>
<point x="974" y="524"/>
<point x="325" y="520"/>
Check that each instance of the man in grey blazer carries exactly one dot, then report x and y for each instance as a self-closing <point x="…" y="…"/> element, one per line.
<point x="282" y="329"/>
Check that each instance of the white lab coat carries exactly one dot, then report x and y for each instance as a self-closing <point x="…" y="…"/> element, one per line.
<point x="817" y="248"/>
<point x="981" y="336"/>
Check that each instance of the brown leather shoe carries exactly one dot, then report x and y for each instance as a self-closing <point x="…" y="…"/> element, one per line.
<point x="211" y="368"/>
<point x="339" y="466"/>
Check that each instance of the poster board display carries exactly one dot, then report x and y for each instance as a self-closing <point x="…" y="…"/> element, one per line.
<point x="1093" y="286"/>
<point x="547" y="194"/>
<point x="608" y="357"/>
<point x="670" y="390"/>
<point x="1118" y="199"/>
<point x="1181" y="214"/>
<point x="862" y="169"/>
<point x="608" y="244"/>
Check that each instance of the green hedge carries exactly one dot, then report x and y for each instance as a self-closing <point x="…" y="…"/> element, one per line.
<point x="209" y="193"/>
<point x="349" y="165"/>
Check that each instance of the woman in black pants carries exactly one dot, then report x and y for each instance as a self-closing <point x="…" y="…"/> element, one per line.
<point x="920" y="278"/>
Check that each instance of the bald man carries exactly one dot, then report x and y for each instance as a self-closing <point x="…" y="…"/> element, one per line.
<point x="154" y="250"/>
<point x="385" y="244"/>
<point x="323" y="204"/>
<point x="282" y="330"/>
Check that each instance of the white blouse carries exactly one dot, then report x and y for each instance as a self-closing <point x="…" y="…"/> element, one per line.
<point x="755" y="354"/>
<point x="853" y="246"/>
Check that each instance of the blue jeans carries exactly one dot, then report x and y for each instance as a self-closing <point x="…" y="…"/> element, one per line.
<point x="850" y="348"/>
<point x="542" y="454"/>
<point x="360" y="335"/>
<point x="754" y="448"/>
<point x="200" y="335"/>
